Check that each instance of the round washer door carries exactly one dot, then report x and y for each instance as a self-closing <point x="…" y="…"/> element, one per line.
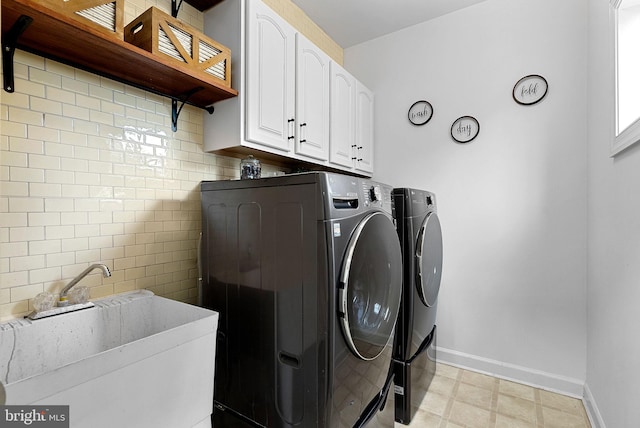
<point x="429" y="259"/>
<point x="370" y="286"/>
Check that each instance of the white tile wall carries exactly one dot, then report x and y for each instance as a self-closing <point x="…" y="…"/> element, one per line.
<point x="90" y="171"/>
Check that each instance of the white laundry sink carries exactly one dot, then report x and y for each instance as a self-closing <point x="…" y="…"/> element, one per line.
<point x="133" y="360"/>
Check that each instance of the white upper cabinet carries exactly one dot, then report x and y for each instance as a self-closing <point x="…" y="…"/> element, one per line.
<point x="343" y="117"/>
<point x="294" y="104"/>
<point x="351" y="122"/>
<point x="312" y="100"/>
<point x="364" y="129"/>
<point x="270" y="78"/>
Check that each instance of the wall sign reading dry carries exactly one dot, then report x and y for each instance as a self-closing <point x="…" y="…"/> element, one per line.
<point x="465" y="129"/>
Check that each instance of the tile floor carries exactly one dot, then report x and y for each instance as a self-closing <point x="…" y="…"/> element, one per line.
<point x="462" y="398"/>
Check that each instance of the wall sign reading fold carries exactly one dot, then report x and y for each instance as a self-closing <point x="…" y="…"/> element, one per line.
<point x="530" y="89"/>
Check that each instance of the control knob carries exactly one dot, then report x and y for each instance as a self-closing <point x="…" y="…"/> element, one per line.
<point x="375" y="194"/>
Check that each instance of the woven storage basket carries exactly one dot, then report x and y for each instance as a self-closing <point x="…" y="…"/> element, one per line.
<point x="161" y="34"/>
<point x="103" y="15"/>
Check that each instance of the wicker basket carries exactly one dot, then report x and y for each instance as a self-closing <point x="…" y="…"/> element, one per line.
<point x="103" y="15"/>
<point x="161" y="34"/>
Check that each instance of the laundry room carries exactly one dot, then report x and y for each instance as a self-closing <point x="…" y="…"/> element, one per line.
<point x="536" y="205"/>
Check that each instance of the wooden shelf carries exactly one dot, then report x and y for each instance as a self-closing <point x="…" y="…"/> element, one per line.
<point x="72" y="42"/>
<point x="203" y="5"/>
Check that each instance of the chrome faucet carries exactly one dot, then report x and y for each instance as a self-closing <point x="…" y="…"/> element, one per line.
<point x="105" y="271"/>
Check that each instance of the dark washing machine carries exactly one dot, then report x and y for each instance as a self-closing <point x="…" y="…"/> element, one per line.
<point x="306" y="273"/>
<point x="415" y="339"/>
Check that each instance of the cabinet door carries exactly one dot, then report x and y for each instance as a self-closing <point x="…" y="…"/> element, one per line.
<point x="364" y="128"/>
<point x="312" y="100"/>
<point x="343" y="96"/>
<point x="270" y="78"/>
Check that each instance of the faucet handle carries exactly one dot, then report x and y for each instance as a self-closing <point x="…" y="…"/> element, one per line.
<point x="79" y="294"/>
<point x="43" y="301"/>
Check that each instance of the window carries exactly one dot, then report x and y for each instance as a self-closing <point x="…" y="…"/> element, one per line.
<point x="625" y="24"/>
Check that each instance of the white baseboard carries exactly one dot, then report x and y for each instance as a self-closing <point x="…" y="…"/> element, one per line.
<point x="536" y="378"/>
<point x="592" y="409"/>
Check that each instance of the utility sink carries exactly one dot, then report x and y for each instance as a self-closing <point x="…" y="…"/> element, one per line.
<point x="134" y="359"/>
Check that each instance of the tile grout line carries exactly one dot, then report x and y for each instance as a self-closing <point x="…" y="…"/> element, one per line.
<point x="450" y="401"/>
<point x="539" y="413"/>
<point x="494" y="403"/>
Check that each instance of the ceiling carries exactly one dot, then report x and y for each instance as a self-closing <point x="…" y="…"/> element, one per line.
<point x="350" y="22"/>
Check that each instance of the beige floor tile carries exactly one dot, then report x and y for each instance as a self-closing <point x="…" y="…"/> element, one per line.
<point x="442" y="385"/>
<point x="474" y="395"/>
<point x="518" y="408"/>
<point x="516" y="389"/>
<point x="460" y="398"/>
<point x="435" y="403"/>
<point x="447" y="371"/>
<point x="558" y="419"/>
<point x="561" y="402"/>
<point x="466" y="414"/>
<point x="478" y="379"/>
<point x="423" y="419"/>
<point x="503" y="421"/>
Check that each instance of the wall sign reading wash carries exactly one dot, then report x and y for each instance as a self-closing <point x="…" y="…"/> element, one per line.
<point x="420" y="112"/>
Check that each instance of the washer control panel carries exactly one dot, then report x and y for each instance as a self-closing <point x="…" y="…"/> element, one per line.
<point x="376" y="195"/>
<point x="349" y="194"/>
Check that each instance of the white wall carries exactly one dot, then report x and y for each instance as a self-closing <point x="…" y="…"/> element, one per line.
<point x="513" y="202"/>
<point x="613" y="357"/>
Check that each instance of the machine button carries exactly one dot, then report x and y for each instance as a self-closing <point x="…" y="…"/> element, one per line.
<point x="375" y="194"/>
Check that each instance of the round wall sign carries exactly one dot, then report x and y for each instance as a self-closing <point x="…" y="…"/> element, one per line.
<point x="420" y="112"/>
<point x="465" y="129"/>
<point x="530" y="90"/>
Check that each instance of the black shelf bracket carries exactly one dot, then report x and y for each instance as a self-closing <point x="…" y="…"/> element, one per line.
<point x="9" y="42"/>
<point x="175" y="8"/>
<point x="175" y="110"/>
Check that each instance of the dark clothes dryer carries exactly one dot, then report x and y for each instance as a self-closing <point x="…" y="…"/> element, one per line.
<point x="420" y="236"/>
<point x="305" y="271"/>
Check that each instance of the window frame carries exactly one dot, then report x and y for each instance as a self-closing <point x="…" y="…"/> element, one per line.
<point x="631" y="134"/>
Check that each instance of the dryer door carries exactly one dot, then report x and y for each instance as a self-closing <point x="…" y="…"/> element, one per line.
<point x="429" y="259"/>
<point x="370" y="286"/>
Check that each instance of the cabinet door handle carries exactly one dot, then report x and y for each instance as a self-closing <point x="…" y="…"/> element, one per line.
<point x="291" y="129"/>
<point x="302" y="140"/>
<point x="359" y="147"/>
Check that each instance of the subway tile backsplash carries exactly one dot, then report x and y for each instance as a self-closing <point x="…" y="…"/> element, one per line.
<point x="90" y="171"/>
